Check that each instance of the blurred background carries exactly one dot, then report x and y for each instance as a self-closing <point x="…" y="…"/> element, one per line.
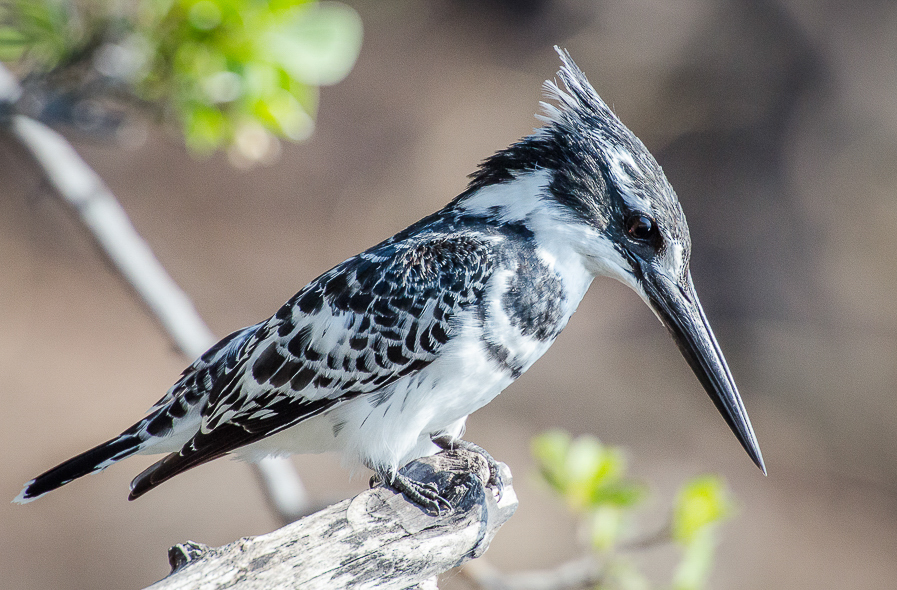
<point x="774" y="120"/>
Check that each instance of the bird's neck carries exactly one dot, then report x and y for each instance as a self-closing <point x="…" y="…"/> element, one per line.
<point x="524" y="201"/>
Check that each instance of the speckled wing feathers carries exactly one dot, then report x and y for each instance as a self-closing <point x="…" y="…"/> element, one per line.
<point x="192" y="389"/>
<point x="372" y="320"/>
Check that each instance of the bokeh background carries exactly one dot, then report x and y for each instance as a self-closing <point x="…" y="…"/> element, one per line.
<point x="776" y="122"/>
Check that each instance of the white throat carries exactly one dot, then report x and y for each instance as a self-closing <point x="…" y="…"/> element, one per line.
<point x="576" y="250"/>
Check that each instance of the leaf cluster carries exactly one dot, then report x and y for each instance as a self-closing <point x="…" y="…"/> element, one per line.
<point x="592" y="479"/>
<point x="229" y="72"/>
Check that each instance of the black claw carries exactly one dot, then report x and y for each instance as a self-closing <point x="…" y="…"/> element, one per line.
<point x="425" y="495"/>
<point x="448" y="442"/>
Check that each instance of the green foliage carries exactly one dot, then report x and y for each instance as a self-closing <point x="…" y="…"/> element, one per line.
<point x="230" y="72"/>
<point x="592" y="480"/>
<point x="701" y="504"/>
<point x="590" y="477"/>
<point x="42" y="30"/>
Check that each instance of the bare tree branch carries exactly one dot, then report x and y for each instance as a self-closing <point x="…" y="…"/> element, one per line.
<point x="377" y="539"/>
<point x="97" y="208"/>
<point x="579" y="574"/>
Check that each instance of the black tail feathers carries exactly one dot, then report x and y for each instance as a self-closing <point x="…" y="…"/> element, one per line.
<point x="95" y="459"/>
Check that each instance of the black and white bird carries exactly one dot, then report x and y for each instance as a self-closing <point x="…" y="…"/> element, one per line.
<point x="383" y="357"/>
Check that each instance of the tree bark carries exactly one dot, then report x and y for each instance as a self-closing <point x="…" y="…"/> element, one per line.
<point x="377" y="539"/>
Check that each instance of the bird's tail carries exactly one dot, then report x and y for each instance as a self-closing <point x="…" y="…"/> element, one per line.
<point x="96" y="459"/>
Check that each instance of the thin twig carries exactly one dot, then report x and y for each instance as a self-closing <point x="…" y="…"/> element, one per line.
<point x="97" y="208"/>
<point x="661" y="537"/>
<point x="578" y="574"/>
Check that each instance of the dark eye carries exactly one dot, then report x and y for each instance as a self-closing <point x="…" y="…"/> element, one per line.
<point x="640" y="227"/>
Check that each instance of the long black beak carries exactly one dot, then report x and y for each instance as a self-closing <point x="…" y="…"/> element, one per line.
<point x="677" y="305"/>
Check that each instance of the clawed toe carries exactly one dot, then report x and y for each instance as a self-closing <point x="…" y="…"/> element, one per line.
<point x="448" y="442"/>
<point x="425" y="495"/>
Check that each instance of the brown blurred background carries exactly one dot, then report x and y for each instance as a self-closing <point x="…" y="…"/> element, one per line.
<point x="776" y="122"/>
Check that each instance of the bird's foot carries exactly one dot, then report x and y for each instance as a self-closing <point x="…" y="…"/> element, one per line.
<point x="425" y="495"/>
<point x="449" y="442"/>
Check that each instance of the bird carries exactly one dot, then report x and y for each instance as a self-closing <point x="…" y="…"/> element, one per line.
<point x="383" y="357"/>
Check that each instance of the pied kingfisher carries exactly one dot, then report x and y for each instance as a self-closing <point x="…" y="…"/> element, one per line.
<point x="383" y="357"/>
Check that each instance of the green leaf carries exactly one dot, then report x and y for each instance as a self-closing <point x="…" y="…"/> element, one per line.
<point x="291" y="119"/>
<point x="13" y="44"/>
<point x="318" y="44"/>
<point x="701" y="502"/>
<point x="585" y="472"/>
<point x="624" y="494"/>
<point x="549" y="450"/>
<point x="260" y="80"/>
<point x="204" y="128"/>
<point x="586" y="460"/>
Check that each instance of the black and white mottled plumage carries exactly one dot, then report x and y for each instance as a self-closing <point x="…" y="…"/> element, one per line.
<point x="397" y="345"/>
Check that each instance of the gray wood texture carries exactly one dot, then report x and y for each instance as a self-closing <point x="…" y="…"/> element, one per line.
<point x="377" y="539"/>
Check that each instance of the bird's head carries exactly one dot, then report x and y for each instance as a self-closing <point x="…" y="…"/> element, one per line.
<point x="625" y="221"/>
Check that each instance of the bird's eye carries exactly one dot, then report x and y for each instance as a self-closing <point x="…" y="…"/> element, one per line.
<point x="640" y="227"/>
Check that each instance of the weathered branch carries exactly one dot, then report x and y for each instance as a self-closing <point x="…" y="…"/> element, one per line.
<point x="96" y="207"/>
<point x="580" y="574"/>
<point x="377" y="539"/>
